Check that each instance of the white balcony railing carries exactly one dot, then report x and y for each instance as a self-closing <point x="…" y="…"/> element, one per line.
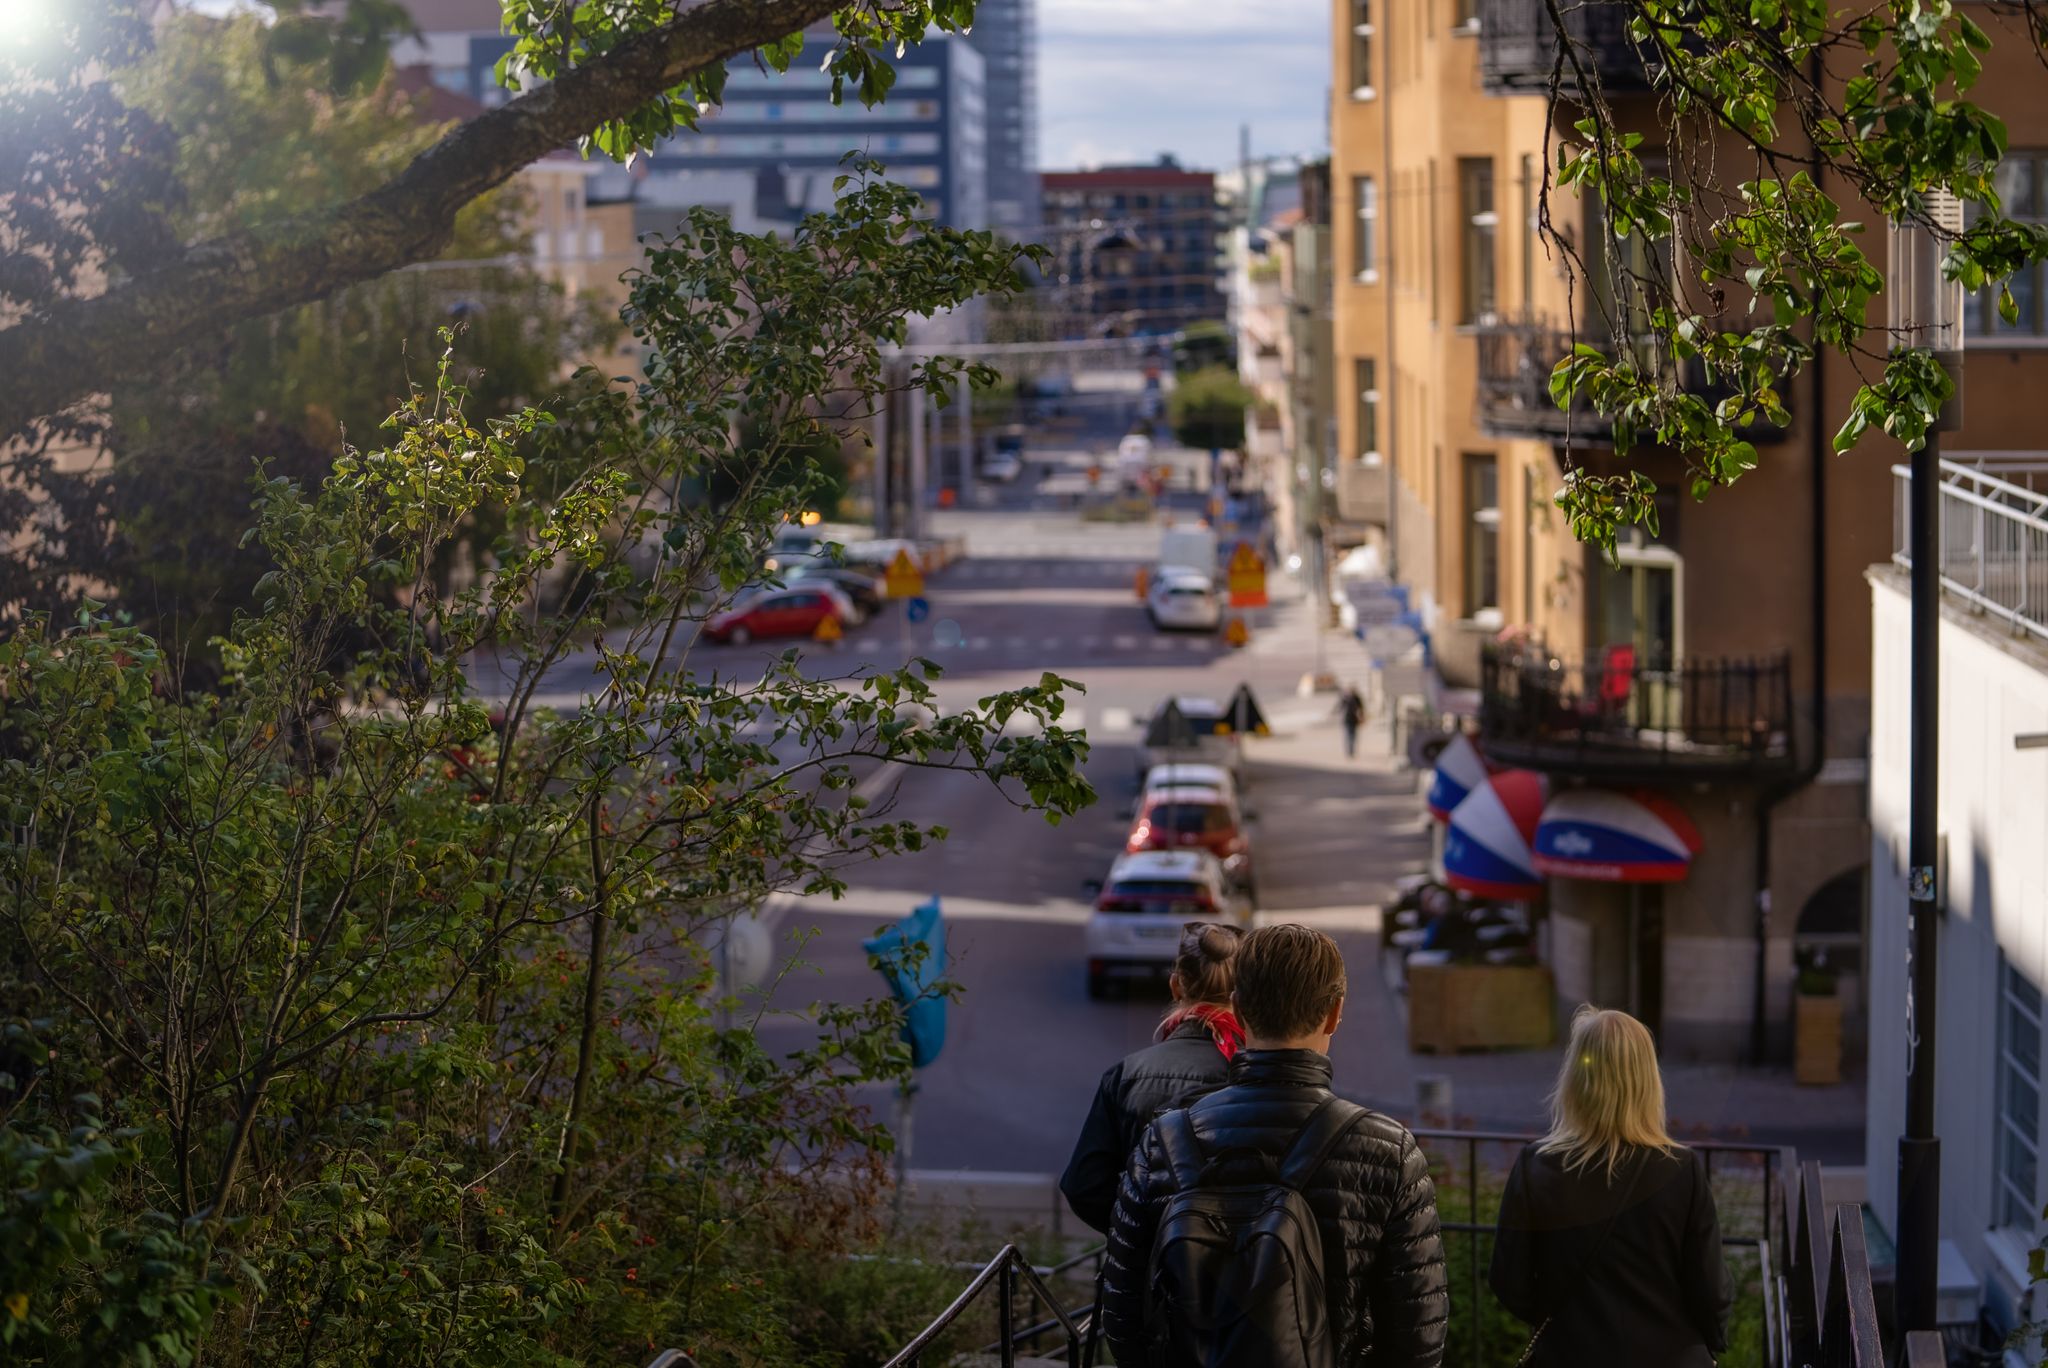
<point x="1994" y="540"/>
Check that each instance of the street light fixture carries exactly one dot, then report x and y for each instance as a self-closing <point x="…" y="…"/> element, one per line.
<point x="1924" y="312"/>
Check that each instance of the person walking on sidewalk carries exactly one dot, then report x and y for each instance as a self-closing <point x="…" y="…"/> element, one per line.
<point x="1351" y="708"/>
<point x="1271" y="1222"/>
<point x="1189" y="1056"/>
<point x="1608" y="1243"/>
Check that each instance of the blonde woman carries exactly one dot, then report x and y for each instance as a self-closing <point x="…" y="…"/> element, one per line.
<point x="1608" y="1245"/>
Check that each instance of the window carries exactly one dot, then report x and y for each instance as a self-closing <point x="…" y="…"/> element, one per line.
<point x="2022" y="184"/>
<point x="1532" y="506"/>
<point x="1365" y="248"/>
<point x="1530" y="228"/>
<point x="1465" y="15"/>
<point x="1361" y="49"/>
<point x="1365" y="376"/>
<point x="1482" y="533"/>
<point x="1477" y="222"/>
<point x="2016" y="1201"/>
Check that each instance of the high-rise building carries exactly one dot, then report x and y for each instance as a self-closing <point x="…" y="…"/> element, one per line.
<point x="1136" y="248"/>
<point x="1006" y="34"/>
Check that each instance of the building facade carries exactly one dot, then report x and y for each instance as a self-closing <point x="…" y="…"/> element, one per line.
<point x="1721" y="666"/>
<point x="1005" y="33"/>
<point x="770" y="153"/>
<point x="1137" y="248"/>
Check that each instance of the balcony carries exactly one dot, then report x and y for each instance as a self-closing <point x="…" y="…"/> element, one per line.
<point x="1516" y="356"/>
<point x="1615" y="717"/>
<point x="1518" y="47"/>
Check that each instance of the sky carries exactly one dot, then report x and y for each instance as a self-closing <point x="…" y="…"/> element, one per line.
<point x="1124" y="80"/>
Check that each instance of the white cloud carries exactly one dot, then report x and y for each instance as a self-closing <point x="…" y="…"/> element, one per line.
<point x="1150" y="76"/>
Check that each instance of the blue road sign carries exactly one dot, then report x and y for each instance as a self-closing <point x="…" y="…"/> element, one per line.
<point x="912" y="957"/>
<point x="919" y="609"/>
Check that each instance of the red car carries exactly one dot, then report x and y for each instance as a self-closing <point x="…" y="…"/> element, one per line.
<point x="1180" y="817"/>
<point x="792" y="612"/>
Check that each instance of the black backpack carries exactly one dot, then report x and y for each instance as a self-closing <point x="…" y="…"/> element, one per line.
<point x="1236" y="1272"/>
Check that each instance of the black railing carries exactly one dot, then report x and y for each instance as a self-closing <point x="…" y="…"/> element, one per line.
<point x="1516" y="357"/>
<point x="1832" y="1320"/>
<point x="1519" y="52"/>
<point x="1618" y="715"/>
<point x="1002" y="1273"/>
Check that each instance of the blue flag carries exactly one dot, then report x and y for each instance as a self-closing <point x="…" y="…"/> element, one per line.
<point x="912" y="958"/>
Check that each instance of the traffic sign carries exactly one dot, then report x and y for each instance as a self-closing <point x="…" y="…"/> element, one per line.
<point x="828" y="629"/>
<point x="1235" y="632"/>
<point x="1246" y="577"/>
<point x="918" y="609"/>
<point x="903" y="579"/>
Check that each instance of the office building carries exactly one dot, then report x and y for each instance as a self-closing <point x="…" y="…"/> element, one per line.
<point x="1137" y="248"/>
<point x="1005" y="33"/>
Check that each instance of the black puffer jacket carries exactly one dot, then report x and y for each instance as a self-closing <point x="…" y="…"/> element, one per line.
<point x="1373" y="1199"/>
<point x="1137" y="1088"/>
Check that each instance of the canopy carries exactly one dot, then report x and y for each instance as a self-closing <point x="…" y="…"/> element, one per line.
<point x="1459" y="770"/>
<point x="1486" y="849"/>
<point x="1592" y="833"/>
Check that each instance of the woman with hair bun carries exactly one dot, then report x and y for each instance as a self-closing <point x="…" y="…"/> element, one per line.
<point x="1190" y="1055"/>
<point x="1608" y="1244"/>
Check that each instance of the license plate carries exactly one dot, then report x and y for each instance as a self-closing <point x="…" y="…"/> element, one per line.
<point x="1156" y="932"/>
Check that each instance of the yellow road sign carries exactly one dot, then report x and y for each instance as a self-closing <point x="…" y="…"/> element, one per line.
<point x="828" y="629"/>
<point x="1247" y="578"/>
<point x="1236" y="633"/>
<point x="903" y="579"/>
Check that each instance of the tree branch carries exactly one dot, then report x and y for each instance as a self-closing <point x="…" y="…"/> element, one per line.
<point x="87" y="346"/>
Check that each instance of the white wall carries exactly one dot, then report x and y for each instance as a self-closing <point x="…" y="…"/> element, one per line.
<point x="1994" y="812"/>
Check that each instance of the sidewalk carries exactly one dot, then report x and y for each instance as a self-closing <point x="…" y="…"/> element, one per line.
<point x="1334" y="836"/>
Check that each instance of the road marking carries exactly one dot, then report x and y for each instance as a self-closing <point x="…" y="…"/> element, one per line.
<point x="1089" y="643"/>
<point x="1162" y="643"/>
<point x="1125" y="642"/>
<point x="882" y="905"/>
<point x="1017" y="643"/>
<point x="1021" y="724"/>
<point x="978" y="644"/>
<point x="1117" y="719"/>
<point x="1048" y="643"/>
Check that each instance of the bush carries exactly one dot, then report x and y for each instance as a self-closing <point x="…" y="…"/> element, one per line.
<point x="1207" y="408"/>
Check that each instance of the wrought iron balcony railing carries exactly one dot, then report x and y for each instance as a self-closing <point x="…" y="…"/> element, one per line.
<point x="1618" y="716"/>
<point x="1519" y="50"/>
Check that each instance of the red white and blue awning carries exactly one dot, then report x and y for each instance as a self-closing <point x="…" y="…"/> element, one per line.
<point x="1592" y="833"/>
<point x="1459" y="770"/>
<point x="1487" y="847"/>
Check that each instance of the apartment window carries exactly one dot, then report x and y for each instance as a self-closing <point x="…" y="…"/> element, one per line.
<point x="1530" y="228"/>
<point x="1477" y="223"/>
<point x="2017" y="1202"/>
<point x="1465" y="15"/>
<point x="1361" y="49"/>
<point x="1365" y="247"/>
<point x="1482" y="533"/>
<point x="2022" y="184"/>
<point x="1365" y="376"/>
<point x="1427" y="221"/>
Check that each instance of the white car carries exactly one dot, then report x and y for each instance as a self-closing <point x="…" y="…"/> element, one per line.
<point x="1181" y="774"/>
<point x="1003" y="467"/>
<point x="1145" y="905"/>
<point x="1183" y="600"/>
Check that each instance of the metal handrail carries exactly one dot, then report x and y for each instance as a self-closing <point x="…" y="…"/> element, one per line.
<point x="1002" y="1270"/>
<point x="1993" y="542"/>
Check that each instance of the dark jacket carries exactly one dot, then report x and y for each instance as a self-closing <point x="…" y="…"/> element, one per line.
<point x="1383" y="1261"/>
<point x="1172" y="1073"/>
<point x="1655" y="1294"/>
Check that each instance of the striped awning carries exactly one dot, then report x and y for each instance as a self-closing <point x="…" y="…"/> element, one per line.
<point x="1487" y="847"/>
<point x="1593" y="833"/>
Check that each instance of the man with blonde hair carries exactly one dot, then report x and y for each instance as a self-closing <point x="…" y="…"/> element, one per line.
<point x="1272" y="1223"/>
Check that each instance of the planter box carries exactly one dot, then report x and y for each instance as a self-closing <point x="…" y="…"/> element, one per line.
<point x="1479" y="1007"/>
<point x="1817" y="1039"/>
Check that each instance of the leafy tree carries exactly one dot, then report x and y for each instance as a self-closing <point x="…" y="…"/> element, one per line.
<point x="1207" y="408"/>
<point x="173" y="499"/>
<point x="98" y="285"/>
<point x="1873" y="99"/>
<point x="1204" y="344"/>
<point x="396" y="986"/>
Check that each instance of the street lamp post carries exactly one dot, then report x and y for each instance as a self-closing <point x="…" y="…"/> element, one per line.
<point x="1924" y="312"/>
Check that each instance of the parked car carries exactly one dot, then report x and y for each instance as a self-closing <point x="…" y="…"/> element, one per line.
<point x="1183" y="600"/>
<point x="1002" y="467"/>
<point x="795" y="611"/>
<point x="1145" y="902"/>
<point x="1185" y="817"/>
<point x="1186" y="775"/>
<point x="862" y="589"/>
<point x="1203" y="736"/>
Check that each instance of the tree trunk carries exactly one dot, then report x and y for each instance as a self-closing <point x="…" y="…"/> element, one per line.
<point x="593" y="1005"/>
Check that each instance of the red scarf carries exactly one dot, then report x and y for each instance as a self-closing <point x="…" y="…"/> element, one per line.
<point x="1220" y="1021"/>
